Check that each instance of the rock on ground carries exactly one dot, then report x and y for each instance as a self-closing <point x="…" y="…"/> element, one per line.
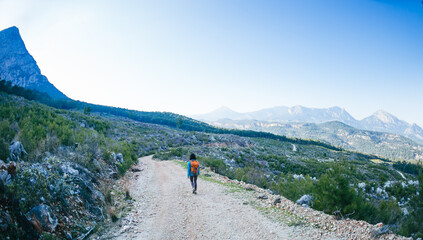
<point x="17" y="151"/>
<point x="42" y="218"/>
<point x="305" y="200"/>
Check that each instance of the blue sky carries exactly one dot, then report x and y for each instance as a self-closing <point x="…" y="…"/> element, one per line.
<point x="191" y="57"/>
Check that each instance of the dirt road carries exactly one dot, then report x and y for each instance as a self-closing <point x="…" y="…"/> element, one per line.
<point x="167" y="209"/>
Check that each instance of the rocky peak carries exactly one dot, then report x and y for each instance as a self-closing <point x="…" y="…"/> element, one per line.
<point x="11" y="42"/>
<point x="220" y="113"/>
<point x="337" y="109"/>
<point x="224" y="109"/>
<point x="385" y="117"/>
<point x="416" y="127"/>
<point x="296" y="110"/>
<point x="415" y="132"/>
<point x="19" y="67"/>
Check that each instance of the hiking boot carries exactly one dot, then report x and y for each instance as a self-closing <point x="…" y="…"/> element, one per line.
<point x="195" y="191"/>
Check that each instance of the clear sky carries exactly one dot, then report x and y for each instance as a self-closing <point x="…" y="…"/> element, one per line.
<point x="194" y="56"/>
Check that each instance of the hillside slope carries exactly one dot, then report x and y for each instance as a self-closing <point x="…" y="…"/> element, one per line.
<point x="162" y="118"/>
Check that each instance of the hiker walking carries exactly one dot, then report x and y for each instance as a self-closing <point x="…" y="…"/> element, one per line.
<point x="193" y="172"/>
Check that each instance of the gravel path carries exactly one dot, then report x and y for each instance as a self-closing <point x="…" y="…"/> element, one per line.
<point x="166" y="209"/>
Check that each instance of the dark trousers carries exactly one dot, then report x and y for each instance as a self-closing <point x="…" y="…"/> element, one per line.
<point x="193" y="181"/>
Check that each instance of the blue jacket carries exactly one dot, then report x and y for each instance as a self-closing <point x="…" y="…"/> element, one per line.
<point x="189" y="170"/>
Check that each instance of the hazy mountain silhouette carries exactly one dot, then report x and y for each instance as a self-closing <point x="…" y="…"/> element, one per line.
<point x="380" y="121"/>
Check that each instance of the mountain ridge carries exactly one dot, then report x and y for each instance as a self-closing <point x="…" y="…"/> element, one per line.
<point x="380" y="121"/>
<point x="388" y="145"/>
<point x="19" y="67"/>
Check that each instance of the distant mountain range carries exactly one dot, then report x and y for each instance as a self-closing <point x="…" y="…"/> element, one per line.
<point x="19" y="67"/>
<point x="282" y="114"/>
<point x="380" y="121"/>
<point x="382" y="144"/>
<point x="381" y="133"/>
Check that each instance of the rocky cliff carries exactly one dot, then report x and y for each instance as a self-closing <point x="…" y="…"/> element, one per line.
<point x="19" y="67"/>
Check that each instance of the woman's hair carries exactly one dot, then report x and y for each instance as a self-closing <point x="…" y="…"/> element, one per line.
<point x="192" y="156"/>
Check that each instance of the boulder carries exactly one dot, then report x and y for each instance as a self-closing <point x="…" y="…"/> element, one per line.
<point x="113" y="174"/>
<point x="68" y="169"/>
<point x="264" y="196"/>
<point x="97" y="165"/>
<point x="337" y="214"/>
<point x="136" y="169"/>
<point x="17" y="151"/>
<point x="381" y="230"/>
<point x="298" y="177"/>
<point x="119" y="157"/>
<point x="86" y="187"/>
<point x="11" y="168"/>
<point x="305" y="200"/>
<point x="277" y="200"/>
<point x="42" y="218"/>
<point x="5" y="179"/>
<point x="405" y="211"/>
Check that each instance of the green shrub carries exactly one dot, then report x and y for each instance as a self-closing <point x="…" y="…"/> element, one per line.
<point x="6" y="136"/>
<point x="39" y="188"/>
<point x="388" y="212"/>
<point x="48" y="236"/>
<point x="413" y="225"/>
<point x="292" y="188"/>
<point x="216" y="164"/>
<point x="128" y="151"/>
<point x="333" y="192"/>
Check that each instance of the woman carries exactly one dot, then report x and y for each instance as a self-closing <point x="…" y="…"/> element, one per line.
<point x="193" y="172"/>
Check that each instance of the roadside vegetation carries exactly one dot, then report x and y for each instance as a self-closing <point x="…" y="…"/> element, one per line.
<point x="340" y="183"/>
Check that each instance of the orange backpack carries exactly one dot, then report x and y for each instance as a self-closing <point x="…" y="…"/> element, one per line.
<point x="194" y="167"/>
